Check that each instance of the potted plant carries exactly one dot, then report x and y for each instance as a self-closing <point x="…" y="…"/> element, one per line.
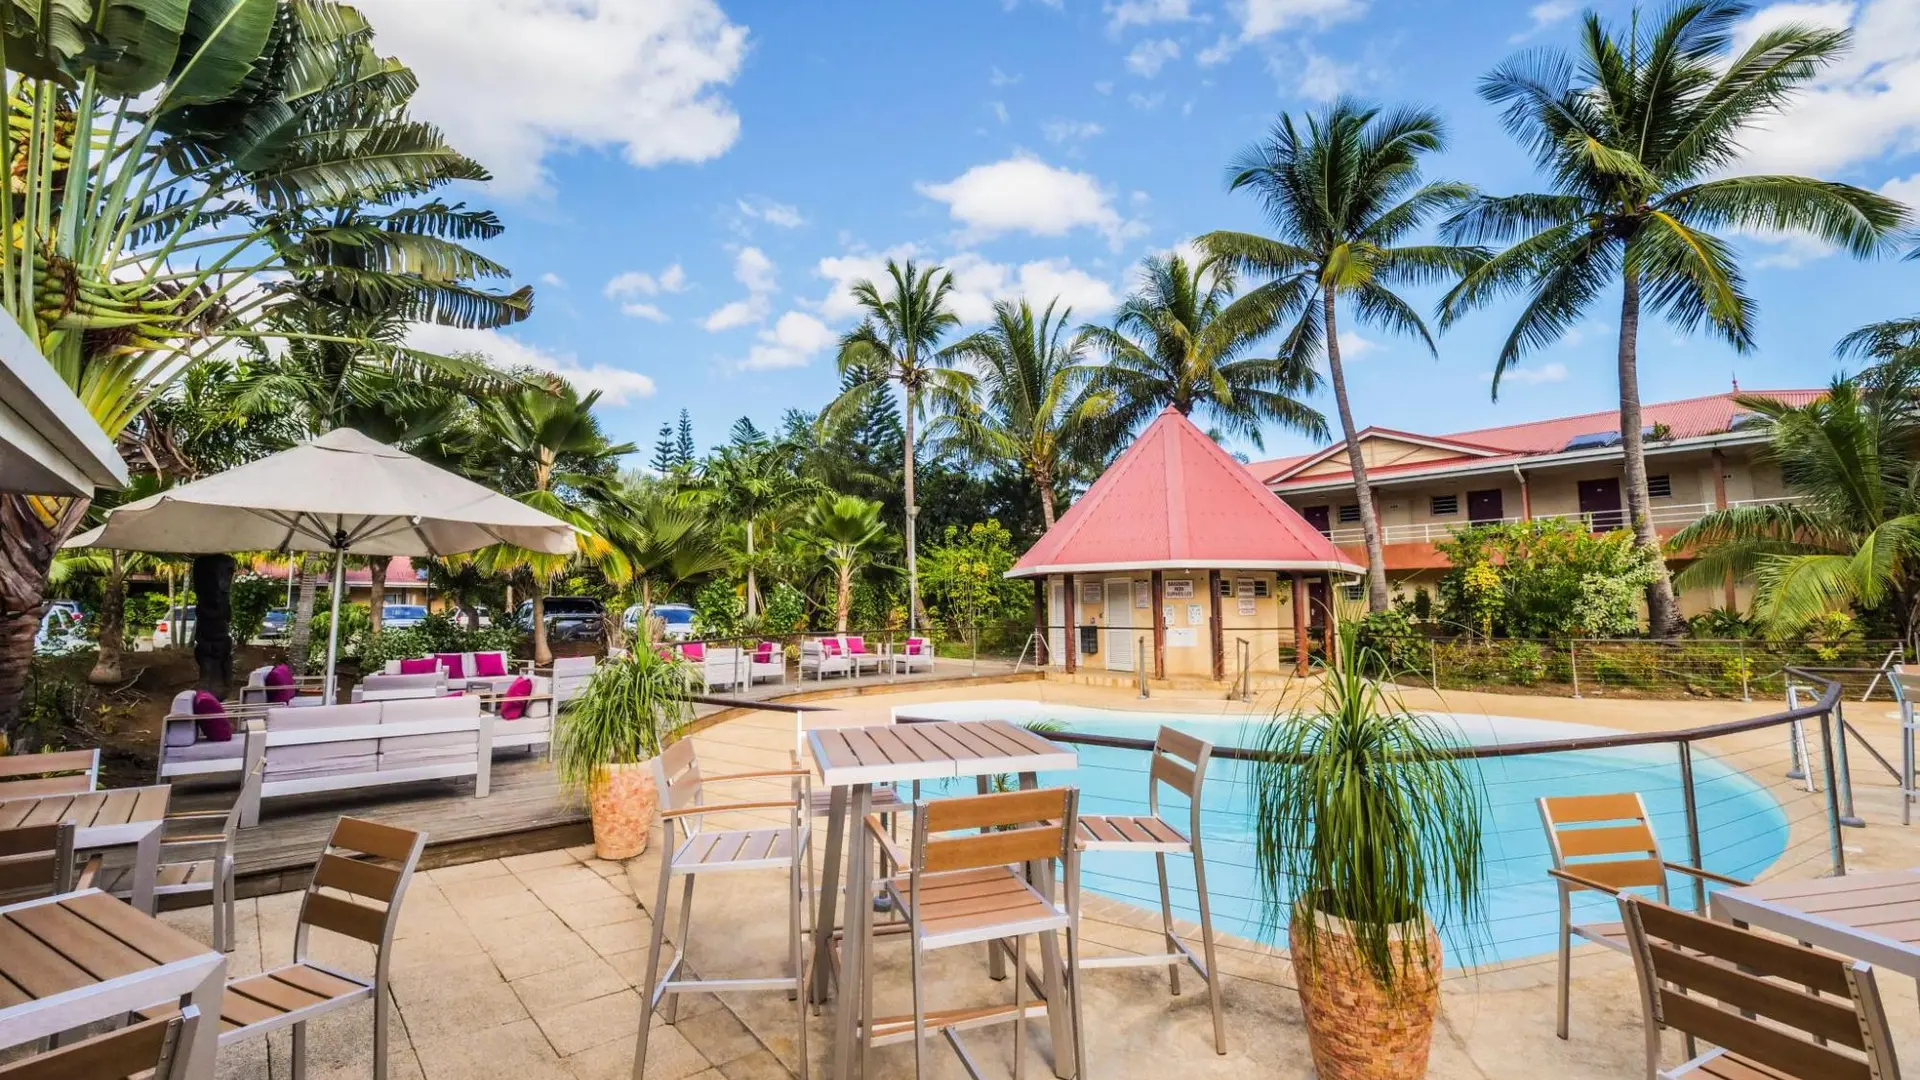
<point x="607" y="738"/>
<point x="1367" y="829"/>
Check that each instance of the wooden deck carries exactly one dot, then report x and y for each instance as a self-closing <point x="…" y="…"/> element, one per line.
<point x="524" y="812"/>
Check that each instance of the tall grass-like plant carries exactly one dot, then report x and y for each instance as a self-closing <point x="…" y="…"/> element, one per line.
<point x="1363" y="813"/>
<point x="631" y="709"/>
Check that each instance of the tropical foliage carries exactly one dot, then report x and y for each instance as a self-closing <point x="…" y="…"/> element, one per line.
<point x="1545" y="578"/>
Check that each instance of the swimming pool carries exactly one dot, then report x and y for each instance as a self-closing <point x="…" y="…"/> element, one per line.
<point x="1743" y="830"/>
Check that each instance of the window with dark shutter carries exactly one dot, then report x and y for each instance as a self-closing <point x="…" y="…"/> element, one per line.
<point x="1349" y="513"/>
<point x="1445" y="505"/>
<point x="1660" y="487"/>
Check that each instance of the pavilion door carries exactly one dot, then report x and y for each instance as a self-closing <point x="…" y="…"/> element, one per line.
<point x="1119" y="624"/>
<point x="1317" y="517"/>
<point x="1057" y="623"/>
<point x="1485" y="507"/>
<point x="1600" y="504"/>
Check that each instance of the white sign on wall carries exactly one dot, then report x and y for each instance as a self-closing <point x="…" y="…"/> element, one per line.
<point x="1183" y="636"/>
<point x="1179" y="588"/>
<point x="1243" y="588"/>
<point x="1246" y="605"/>
<point x="1142" y="596"/>
<point x="1092" y="593"/>
<point x="1195" y="615"/>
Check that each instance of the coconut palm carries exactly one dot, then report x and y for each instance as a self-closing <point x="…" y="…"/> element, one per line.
<point x="898" y="345"/>
<point x="846" y="532"/>
<point x="1342" y="197"/>
<point x="1851" y="539"/>
<point x="1184" y="339"/>
<point x="546" y="447"/>
<point x="748" y="482"/>
<point x="1036" y="404"/>
<point x="1636" y="134"/>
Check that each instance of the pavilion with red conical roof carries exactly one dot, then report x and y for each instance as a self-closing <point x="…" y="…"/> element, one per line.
<point x="1178" y="542"/>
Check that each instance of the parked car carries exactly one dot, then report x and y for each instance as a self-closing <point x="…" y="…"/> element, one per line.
<point x="61" y="630"/>
<point x="569" y="618"/>
<point x="678" y="617"/>
<point x="164" y="628"/>
<point x="275" y="626"/>
<point x="401" y="616"/>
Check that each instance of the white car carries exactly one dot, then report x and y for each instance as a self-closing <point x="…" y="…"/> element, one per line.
<point x="401" y="616"/>
<point x="60" y="630"/>
<point x="164" y="628"/>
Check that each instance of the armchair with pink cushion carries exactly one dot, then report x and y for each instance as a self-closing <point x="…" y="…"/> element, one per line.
<point x="824" y="657"/>
<point x="913" y="654"/>
<point x="769" y="662"/>
<point x="864" y="659"/>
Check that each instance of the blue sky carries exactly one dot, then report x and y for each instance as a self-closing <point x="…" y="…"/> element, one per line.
<point x="689" y="184"/>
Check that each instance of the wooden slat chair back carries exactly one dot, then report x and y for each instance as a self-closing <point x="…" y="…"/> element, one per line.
<point x="965" y="889"/>
<point x="700" y="849"/>
<point x="1179" y="763"/>
<point x="356" y="890"/>
<point x="69" y="772"/>
<point x="1768" y="1007"/>
<point x="156" y="1046"/>
<point x="1603" y="843"/>
<point x="36" y="861"/>
<point x="196" y="856"/>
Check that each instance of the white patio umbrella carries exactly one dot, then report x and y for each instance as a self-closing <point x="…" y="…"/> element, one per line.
<point x="342" y="492"/>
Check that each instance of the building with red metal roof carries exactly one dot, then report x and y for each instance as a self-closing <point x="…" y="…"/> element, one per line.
<point x="1178" y="527"/>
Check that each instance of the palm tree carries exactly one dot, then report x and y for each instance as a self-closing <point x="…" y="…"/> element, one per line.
<point x="1852" y="538"/>
<point x="546" y="446"/>
<point x="1036" y="404"/>
<point x="1342" y="198"/>
<point x="748" y="482"/>
<point x="668" y="536"/>
<point x="1183" y="339"/>
<point x="898" y="344"/>
<point x="1637" y="134"/>
<point x="846" y="531"/>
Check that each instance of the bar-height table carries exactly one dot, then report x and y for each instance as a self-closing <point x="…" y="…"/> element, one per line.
<point x="78" y="958"/>
<point x="851" y="761"/>
<point x="1873" y="917"/>
<point x="112" y="818"/>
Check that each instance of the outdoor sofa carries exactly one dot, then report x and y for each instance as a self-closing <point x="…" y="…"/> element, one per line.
<point x="466" y="670"/>
<point x="372" y="744"/>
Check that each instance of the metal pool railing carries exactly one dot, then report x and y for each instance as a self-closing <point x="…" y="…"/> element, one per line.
<point x="1766" y="794"/>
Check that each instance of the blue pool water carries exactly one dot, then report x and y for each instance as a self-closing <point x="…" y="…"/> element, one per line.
<point x="1743" y="830"/>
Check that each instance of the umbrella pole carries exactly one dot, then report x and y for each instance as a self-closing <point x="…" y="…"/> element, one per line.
<point x="333" y="624"/>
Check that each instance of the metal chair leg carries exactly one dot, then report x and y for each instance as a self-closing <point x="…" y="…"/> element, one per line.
<point x="919" y="1013"/>
<point x="653" y="966"/>
<point x="1213" y="963"/>
<point x="381" y="1005"/>
<point x="1019" y="1008"/>
<point x="1166" y="922"/>
<point x="796" y="900"/>
<point x="680" y="940"/>
<point x="300" y="1054"/>
<point x="1074" y="1011"/>
<point x="1566" y="960"/>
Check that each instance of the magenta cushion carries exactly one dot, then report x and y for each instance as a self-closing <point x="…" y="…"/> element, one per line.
<point x="830" y="646"/>
<point x="763" y="652"/>
<point x="915" y="646"/>
<point x="455" y="664"/>
<point x="694" y="651"/>
<point x="426" y="665"/>
<point x="856" y="645"/>
<point x="489" y="665"/>
<point x="514" y="705"/>
<point x="211" y="716"/>
<point x="280" y="683"/>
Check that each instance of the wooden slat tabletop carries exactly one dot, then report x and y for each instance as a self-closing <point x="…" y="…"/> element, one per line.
<point x="890" y="753"/>
<point x="90" y="810"/>
<point x="1873" y="917"/>
<point x="81" y="939"/>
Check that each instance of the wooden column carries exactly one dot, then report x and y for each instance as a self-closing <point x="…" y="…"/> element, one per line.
<point x="1330" y="630"/>
<point x="1720" y="503"/>
<point x="1214" y="628"/>
<point x="1159" y="626"/>
<point x="1300" y="664"/>
<point x="1072" y="635"/>
<point x="1040" y="620"/>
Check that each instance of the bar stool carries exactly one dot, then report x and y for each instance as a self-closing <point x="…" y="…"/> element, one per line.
<point x="1180" y="762"/>
<point x="702" y="850"/>
<point x="966" y="890"/>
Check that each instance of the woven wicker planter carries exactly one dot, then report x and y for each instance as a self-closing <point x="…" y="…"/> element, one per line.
<point x="622" y="805"/>
<point x="1356" y="1029"/>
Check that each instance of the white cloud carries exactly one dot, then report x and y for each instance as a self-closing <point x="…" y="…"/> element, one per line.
<point x="552" y="280"/>
<point x="1025" y="194"/>
<point x="1104" y="86"/>
<point x="1148" y="57"/>
<point x="1146" y="13"/>
<point x="1545" y="14"/>
<point x="617" y="385"/>
<point x="1001" y="78"/>
<point x="1551" y="372"/>
<point x="521" y="80"/>
<point x="1070" y="131"/>
<point x="1906" y="190"/>
<point x="1217" y="53"/>
<point x="1862" y="108"/>
<point x="640" y="283"/>
<point x="1323" y="79"/>
<point x="751" y="268"/>
<point x="1259" y="18"/>
<point x="1000" y="111"/>
<point x="977" y="283"/>
<point x="1146" y="102"/>
<point x="780" y="215"/>
<point x="1353" y="346"/>
<point x="638" y="310"/>
<point x="790" y="342"/>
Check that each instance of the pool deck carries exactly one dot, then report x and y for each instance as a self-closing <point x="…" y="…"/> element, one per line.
<point x="525" y="968"/>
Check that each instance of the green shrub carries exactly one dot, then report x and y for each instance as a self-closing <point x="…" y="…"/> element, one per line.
<point x="786" y="611"/>
<point x="252" y="597"/>
<point x="1389" y="638"/>
<point x="1525" y="663"/>
<point x="718" y="610"/>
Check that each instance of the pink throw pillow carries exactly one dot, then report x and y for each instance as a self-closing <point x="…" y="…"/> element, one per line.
<point x="694" y="650"/>
<point x="856" y="645"/>
<point x="455" y="664"/>
<point x="763" y="653"/>
<point x="916" y="645"/>
<point x="211" y="717"/>
<point x="514" y="705"/>
<point x="280" y="684"/>
<point x="831" y="646"/>
<point x="424" y="666"/>
<point x="489" y="665"/>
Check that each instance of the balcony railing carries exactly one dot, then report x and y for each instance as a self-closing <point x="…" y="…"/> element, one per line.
<point x="1665" y="515"/>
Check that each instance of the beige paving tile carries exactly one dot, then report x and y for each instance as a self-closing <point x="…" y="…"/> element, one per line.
<point x="568" y="985"/>
<point x="758" y="1065"/>
<point x="577" y="1027"/>
<point x="591" y="913"/>
<point x="669" y="1057"/>
<point x="718" y="1035"/>
<point x="508" y="1052"/>
<point x="467" y="872"/>
<point x="614" y="939"/>
<point x="442" y="1011"/>
<point x="517" y="960"/>
<point x="539" y="860"/>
